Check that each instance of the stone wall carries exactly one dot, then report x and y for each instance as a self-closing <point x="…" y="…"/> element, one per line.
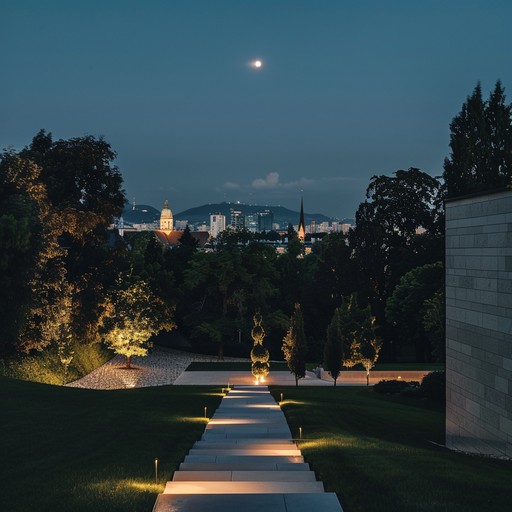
<point x="479" y="324"/>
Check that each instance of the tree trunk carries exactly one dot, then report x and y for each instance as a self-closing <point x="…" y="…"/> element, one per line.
<point x="335" y="378"/>
<point x="128" y="361"/>
<point x="220" y="351"/>
<point x="296" y="382"/>
<point x="367" y="377"/>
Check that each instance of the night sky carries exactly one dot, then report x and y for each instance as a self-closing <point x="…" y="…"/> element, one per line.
<point x="348" y="89"/>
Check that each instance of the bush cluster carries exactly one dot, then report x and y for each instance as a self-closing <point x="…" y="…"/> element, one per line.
<point x="393" y="387"/>
<point x="432" y="387"/>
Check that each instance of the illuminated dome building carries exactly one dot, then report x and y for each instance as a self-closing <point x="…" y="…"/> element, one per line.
<point x="166" y="219"/>
<point x="169" y="236"/>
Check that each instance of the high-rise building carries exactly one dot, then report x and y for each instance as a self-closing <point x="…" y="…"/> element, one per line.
<point x="237" y="219"/>
<point x="217" y="224"/>
<point x="265" y="221"/>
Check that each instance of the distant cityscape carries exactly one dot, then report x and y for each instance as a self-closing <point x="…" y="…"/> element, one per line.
<point x="216" y="218"/>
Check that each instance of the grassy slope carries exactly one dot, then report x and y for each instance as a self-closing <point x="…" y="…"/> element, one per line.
<point x="68" y="449"/>
<point x="46" y="367"/>
<point x="374" y="452"/>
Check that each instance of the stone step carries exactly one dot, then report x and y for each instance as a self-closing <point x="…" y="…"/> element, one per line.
<point x="245" y="451"/>
<point x="244" y="466"/>
<point x="245" y="476"/>
<point x="243" y="458"/>
<point x="209" y="435"/>
<point x="249" y="429"/>
<point x="243" y="445"/>
<point x="241" y="487"/>
<point x="324" y="502"/>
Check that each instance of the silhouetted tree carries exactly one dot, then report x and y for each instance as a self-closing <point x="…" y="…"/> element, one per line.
<point x="481" y="145"/>
<point x="295" y="346"/>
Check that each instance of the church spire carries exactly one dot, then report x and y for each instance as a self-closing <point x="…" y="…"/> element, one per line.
<point x="302" y="225"/>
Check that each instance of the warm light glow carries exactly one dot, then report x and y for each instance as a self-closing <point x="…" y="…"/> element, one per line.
<point x="257" y="64"/>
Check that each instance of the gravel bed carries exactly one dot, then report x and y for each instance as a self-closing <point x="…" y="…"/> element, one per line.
<point x="161" y="367"/>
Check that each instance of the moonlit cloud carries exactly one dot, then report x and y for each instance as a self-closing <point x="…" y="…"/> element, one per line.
<point x="229" y="185"/>
<point x="270" y="181"/>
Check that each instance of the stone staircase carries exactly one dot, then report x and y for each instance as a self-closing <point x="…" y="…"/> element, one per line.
<point x="246" y="461"/>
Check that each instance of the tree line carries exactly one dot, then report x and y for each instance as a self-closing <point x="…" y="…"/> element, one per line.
<point x="66" y="277"/>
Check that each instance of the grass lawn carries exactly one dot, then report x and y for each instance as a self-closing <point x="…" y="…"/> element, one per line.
<point x="66" y="449"/>
<point x="375" y="452"/>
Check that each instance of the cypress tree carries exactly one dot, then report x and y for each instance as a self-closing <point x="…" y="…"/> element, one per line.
<point x="294" y="345"/>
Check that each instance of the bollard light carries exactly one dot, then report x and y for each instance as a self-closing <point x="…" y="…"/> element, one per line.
<point x="300" y="432"/>
<point x="205" y="412"/>
<point x="281" y="397"/>
<point x="156" y="471"/>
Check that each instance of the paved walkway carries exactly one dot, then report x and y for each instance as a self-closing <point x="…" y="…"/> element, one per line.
<point x="246" y="378"/>
<point x="246" y="461"/>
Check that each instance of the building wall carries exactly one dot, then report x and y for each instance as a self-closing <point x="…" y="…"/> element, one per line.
<point x="479" y="324"/>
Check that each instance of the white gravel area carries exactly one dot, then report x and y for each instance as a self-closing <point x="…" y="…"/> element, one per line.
<point x="161" y="367"/>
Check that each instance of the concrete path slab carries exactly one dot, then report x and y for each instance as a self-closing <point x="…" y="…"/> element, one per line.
<point x="289" y="452"/>
<point x="324" y="502"/>
<point x="247" y="445"/>
<point x="243" y="487"/>
<point x="241" y="466"/>
<point x="246" y="460"/>
<point x="245" y="476"/>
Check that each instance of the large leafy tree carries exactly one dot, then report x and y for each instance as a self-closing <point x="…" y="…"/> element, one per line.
<point x="328" y="274"/>
<point x="32" y="271"/>
<point x="221" y="287"/>
<point x="405" y="308"/>
<point x="83" y="182"/>
<point x="295" y="345"/>
<point x="133" y="315"/>
<point x="351" y="338"/>
<point x="481" y="145"/>
<point x="386" y="243"/>
<point x="84" y="192"/>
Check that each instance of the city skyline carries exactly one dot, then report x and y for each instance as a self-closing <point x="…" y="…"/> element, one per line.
<point x="342" y="91"/>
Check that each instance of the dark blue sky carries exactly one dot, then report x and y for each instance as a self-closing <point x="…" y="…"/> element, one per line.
<point x="349" y="89"/>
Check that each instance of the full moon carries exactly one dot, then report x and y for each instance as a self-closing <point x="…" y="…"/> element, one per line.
<point x="257" y="64"/>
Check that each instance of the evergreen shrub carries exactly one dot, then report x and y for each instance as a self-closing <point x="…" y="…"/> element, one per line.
<point x="433" y="386"/>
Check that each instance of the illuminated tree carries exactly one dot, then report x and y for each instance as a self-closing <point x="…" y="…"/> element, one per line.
<point x="259" y="354"/>
<point x="367" y="345"/>
<point x="294" y="345"/>
<point x="133" y="315"/>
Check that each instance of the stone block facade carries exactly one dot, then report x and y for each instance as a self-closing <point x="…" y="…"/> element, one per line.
<point x="479" y="324"/>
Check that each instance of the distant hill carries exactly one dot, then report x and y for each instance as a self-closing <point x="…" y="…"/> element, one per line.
<point x="142" y="214"/>
<point x="282" y="216"/>
<point x="145" y="214"/>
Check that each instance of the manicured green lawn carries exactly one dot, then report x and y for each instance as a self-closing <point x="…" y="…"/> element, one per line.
<point x="65" y="449"/>
<point x="377" y="453"/>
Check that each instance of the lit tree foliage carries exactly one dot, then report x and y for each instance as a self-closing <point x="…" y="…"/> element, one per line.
<point x="259" y="354"/>
<point x="367" y="345"/>
<point x="294" y="345"/>
<point x="134" y="314"/>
